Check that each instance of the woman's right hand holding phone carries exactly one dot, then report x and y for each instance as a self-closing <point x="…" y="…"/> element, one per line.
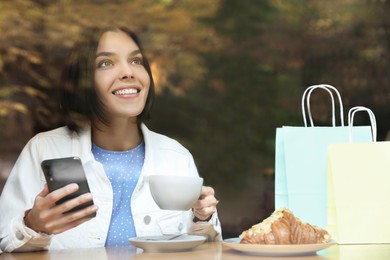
<point x="48" y="217"/>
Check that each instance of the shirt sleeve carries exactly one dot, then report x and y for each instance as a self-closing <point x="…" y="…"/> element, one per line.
<point x="23" y="184"/>
<point x="20" y="238"/>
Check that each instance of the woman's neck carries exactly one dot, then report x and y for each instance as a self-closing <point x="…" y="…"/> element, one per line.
<point x="118" y="136"/>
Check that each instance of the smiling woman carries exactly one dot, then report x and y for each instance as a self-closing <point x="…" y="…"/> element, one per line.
<point x="121" y="80"/>
<point x="107" y="93"/>
<point x="97" y="59"/>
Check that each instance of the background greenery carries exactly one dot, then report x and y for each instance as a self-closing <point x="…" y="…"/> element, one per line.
<point x="228" y="73"/>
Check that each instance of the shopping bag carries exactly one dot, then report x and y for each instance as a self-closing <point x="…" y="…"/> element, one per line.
<point x="300" y="160"/>
<point x="359" y="191"/>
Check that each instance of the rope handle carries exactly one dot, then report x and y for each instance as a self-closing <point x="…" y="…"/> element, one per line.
<point x="351" y="115"/>
<point x="306" y="97"/>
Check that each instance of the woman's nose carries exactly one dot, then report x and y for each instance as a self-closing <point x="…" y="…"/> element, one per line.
<point x="126" y="72"/>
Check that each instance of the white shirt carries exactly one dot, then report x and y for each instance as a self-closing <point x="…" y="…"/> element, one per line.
<point x="163" y="155"/>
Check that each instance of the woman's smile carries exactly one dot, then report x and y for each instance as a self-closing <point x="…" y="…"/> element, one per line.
<point x="127" y="92"/>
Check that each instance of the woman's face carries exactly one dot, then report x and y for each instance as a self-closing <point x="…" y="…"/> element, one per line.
<point x="122" y="82"/>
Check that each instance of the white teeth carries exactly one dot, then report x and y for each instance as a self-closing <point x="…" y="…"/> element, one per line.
<point x="125" y="91"/>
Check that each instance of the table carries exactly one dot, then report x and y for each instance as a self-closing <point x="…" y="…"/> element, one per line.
<point x="207" y="251"/>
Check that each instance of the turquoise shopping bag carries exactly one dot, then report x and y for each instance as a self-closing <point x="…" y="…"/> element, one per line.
<point x="301" y="160"/>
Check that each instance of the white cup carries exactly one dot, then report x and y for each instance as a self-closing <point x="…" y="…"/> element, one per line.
<point x="174" y="192"/>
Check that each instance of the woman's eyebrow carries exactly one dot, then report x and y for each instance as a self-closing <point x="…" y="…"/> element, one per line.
<point x="135" y="52"/>
<point x="106" y="53"/>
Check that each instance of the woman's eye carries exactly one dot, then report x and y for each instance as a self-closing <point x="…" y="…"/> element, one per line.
<point x="137" y="61"/>
<point x="104" y="64"/>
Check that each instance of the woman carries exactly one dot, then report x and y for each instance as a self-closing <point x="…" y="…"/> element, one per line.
<point x="108" y="91"/>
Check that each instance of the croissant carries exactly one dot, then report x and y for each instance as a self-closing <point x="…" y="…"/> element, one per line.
<point x="282" y="227"/>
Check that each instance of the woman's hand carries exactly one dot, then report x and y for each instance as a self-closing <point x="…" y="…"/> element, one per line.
<point x="47" y="217"/>
<point x="206" y="205"/>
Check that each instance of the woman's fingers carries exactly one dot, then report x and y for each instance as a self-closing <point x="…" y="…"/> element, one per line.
<point x="206" y="204"/>
<point x="46" y="216"/>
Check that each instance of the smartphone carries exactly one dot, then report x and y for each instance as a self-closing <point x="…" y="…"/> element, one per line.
<point x="60" y="172"/>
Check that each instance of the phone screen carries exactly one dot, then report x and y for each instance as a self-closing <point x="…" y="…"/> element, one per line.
<point x="63" y="171"/>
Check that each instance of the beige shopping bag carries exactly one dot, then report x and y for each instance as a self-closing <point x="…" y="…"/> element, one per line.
<point x="358" y="176"/>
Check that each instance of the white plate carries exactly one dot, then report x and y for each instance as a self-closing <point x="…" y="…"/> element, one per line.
<point x="276" y="250"/>
<point x="160" y="244"/>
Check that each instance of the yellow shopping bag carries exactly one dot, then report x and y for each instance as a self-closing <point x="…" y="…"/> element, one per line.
<point x="358" y="176"/>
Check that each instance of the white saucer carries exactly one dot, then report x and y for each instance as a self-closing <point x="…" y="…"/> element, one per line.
<point x="160" y="244"/>
<point x="276" y="250"/>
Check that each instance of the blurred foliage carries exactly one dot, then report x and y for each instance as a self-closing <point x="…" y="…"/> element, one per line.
<point x="268" y="52"/>
<point x="36" y="36"/>
<point x="228" y="72"/>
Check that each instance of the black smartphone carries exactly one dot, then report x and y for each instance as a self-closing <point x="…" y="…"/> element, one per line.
<point x="60" y="172"/>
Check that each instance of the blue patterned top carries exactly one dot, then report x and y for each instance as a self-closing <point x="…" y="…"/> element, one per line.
<point x="123" y="170"/>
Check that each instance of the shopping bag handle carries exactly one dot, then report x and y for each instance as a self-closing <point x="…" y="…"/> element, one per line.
<point x="351" y="115"/>
<point x="306" y="96"/>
